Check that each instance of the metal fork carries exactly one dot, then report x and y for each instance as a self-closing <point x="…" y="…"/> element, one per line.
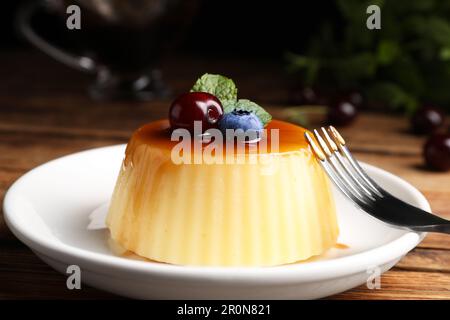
<point x="356" y="185"/>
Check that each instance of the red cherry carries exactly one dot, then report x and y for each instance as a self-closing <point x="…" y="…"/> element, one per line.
<point x="195" y="106"/>
<point x="427" y="120"/>
<point x="307" y="96"/>
<point x="342" y="113"/>
<point x="437" y="152"/>
<point x="355" y="97"/>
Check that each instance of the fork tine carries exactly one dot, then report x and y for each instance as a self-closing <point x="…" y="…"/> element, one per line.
<point x="335" y="150"/>
<point x="331" y="172"/>
<point x="345" y="153"/>
<point x="335" y="167"/>
<point x="317" y="151"/>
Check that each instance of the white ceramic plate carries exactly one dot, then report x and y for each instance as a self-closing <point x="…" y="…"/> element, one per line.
<point x="49" y="208"/>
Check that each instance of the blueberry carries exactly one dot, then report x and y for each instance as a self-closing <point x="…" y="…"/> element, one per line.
<point x="241" y="119"/>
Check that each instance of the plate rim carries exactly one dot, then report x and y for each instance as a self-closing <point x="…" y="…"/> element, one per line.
<point x="310" y="271"/>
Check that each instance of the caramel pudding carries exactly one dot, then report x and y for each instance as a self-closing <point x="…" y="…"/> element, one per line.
<point x="252" y="214"/>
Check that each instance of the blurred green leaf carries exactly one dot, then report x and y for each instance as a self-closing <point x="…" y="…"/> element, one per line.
<point x="444" y="54"/>
<point x="308" y="66"/>
<point x="406" y="62"/>
<point x="360" y="65"/>
<point x="419" y="5"/>
<point x="407" y="75"/>
<point x="414" y="25"/>
<point x="393" y="95"/>
<point x="387" y="51"/>
<point x="439" y="30"/>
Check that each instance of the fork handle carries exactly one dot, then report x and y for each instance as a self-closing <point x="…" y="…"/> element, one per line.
<point x="441" y="228"/>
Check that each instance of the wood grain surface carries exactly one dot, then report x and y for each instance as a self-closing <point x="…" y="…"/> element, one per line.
<point x="45" y="113"/>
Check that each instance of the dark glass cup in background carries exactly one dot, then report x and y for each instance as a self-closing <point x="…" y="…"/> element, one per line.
<point x="119" y="41"/>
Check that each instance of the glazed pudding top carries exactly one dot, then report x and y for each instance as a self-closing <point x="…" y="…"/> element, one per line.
<point x="157" y="134"/>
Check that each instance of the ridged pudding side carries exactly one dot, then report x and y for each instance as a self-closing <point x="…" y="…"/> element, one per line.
<point x="278" y="210"/>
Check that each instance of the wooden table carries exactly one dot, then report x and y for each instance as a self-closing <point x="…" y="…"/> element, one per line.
<point x="45" y="113"/>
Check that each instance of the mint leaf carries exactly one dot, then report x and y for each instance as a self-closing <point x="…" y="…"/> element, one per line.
<point x="250" y="106"/>
<point x="225" y="90"/>
<point x="228" y="106"/>
<point x="222" y="87"/>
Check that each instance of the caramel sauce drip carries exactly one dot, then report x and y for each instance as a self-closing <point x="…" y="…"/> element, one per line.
<point x="341" y="246"/>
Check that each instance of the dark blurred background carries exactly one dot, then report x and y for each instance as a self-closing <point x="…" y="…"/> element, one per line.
<point x="242" y="28"/>
<point x="321" y="46"/>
